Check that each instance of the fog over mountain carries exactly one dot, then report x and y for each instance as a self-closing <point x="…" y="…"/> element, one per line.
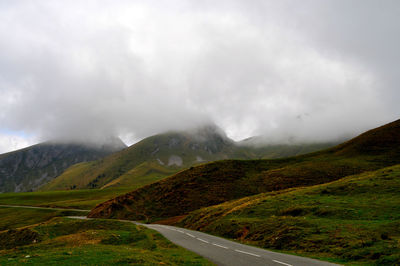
<point x="302" y="70"/>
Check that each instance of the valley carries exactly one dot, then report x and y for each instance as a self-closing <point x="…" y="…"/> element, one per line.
<point x="339" y="204"/>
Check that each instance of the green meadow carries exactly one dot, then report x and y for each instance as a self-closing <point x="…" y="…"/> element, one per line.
<point x="65" y="241"/>
<point x="77" y="199"/>
<point x="12" y="218"/>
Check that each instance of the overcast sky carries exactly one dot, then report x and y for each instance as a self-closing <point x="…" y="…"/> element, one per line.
<point x="309" y="70"/>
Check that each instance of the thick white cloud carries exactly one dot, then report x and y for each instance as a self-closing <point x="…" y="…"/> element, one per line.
<point x="312" y="70"/>
<point x="10" y="142"/>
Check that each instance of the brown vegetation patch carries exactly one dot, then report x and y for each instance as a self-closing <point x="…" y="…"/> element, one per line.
<point x="79" y="239"/>
<point x="14" y="238"/>
<point x="172" y="220"/>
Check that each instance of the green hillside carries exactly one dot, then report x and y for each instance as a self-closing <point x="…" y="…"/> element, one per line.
<point x="76" y="199"/>
<point x="221" y="181"/>
<point x="162" y="155"/>
<point x="15" y="217"/>
<point x="63" y="241"/>
<point x="354" y="219"/>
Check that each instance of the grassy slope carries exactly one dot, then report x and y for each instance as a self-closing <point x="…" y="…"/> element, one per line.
<point x="221" y="181"/>
<point x="143" y="174"/>
<point x="79" y="199"/>
<point x="65" y="241"/>
<point x="12" y="218"/>
<point x="70" y="178"/>
<point x="355" y="219"/>
<point x="275" y="151"/>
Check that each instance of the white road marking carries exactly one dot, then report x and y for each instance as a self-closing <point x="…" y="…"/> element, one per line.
<point x="202" y="240"/>
<point x="220" y="246"/>
<point x="180" y="231"/>
<point x="248" y="253"/>
<point x="277" y="261"/>
<point x="190" y="235"/>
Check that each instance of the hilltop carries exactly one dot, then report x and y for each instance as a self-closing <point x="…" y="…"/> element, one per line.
<point x="29" y="168"/>
<point x="221" y="181"/>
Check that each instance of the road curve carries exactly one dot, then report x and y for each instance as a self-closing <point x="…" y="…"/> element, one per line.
<point x="226" y="252"/>
<point x="218" y="250"/>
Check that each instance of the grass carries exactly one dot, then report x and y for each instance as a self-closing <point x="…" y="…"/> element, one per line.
<point x="78" y="199"/>
<point x="355" y="220"/>
<point x="12" y="218"/>
<point x="143" y="174"/>
<point x="70" y="179"/>
<point x="78" y="177"/>
<point x="64" y="241"/>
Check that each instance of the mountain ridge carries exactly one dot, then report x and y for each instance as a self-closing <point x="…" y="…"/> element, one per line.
<point x="216" y="182"/>
<point x="161" y="155"/>
<point x="29" y="168"/>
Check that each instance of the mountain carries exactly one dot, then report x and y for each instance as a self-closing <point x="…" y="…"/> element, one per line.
<point x="161" y="155"/>
<point x="29" y="168"/>
<point x="221" y="181"/>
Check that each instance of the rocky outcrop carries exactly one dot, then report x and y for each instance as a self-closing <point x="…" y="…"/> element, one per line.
<point x="27" y="169"/>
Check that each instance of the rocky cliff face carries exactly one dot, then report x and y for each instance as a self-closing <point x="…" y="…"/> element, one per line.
<point x="29" y="168"/>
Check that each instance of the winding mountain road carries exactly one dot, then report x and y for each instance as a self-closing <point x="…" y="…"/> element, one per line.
<point x="218" y="250"/>
<point x="226" y="252"/>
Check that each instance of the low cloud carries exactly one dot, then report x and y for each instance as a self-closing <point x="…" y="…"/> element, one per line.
<point x="312" y="71"/>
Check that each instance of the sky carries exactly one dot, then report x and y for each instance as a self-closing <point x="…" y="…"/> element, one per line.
<point x="302" y="70"/>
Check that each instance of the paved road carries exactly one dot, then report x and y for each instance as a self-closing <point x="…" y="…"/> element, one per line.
<point x="43" y="208"/>
<point x="226" y="252"/>
<point x="216" y="249"/>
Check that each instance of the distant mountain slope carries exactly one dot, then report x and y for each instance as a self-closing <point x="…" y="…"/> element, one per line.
<point x="274" y="151"/>
<point x="152" y="158"/>
<point x="384" y="140"/>
<point x="221" y="181"/>
<point x="353" y="219"/>
<point x="29" y="168"/>
<point x="161" y="155"/>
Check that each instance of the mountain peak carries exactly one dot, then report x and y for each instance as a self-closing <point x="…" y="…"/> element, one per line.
<point x="209" y="132"/>
<point x="29" y="168"/>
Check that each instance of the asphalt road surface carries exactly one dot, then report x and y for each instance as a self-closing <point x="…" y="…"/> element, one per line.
<point x="218" y="250"/>
<point x="226" y="252"/>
